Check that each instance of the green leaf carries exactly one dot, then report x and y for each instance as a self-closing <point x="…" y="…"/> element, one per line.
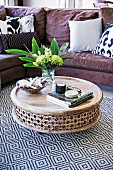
<point x="63" y="48"/>
<point x="54" y="47"/>
<point x="35" y="46"/>
<point x="27" y="59"/>
<point x="42" y="49"/>
<point x="16" y="51"/>
<point x="29" y="65"/>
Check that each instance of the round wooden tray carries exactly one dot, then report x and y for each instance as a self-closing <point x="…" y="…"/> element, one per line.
<point x="35" y="112"/>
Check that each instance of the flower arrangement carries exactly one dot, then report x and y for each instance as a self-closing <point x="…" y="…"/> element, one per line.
<point x="48" y="59"/>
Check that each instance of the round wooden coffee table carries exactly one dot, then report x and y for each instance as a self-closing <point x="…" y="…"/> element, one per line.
<point x="35" y="112"/>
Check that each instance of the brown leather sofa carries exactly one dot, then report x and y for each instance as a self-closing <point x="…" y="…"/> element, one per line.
<point x="50" y="23"/>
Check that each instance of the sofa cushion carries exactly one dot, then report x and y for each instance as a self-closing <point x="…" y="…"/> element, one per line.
<point x="10" y="26"/>
<point x="2" y="12"/>
<point x="86" y="15"/>
<point x="107" y="14"/>
<point x="105" y="45"/>
<point x="2" y="42"/>
<point x="89" y="61"/>
<point x="27" y="23"/>
<point x="13" y="25"/>
<point x="9" y="60"/>
<point x="39" y="18"/>
<point x="3" y="27"/>
<point x="9" y="74"/>
<point x="21" y="39"/>
<point x="57" y="23"/>
<point x="84" y="35"/>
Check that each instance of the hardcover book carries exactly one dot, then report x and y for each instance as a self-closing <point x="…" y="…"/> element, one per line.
<point x="63" y="101"/>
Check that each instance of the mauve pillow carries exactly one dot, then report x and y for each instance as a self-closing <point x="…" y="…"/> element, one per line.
<point x="86" y="15"/>
<point x="57" y="24"/>
<point x="2" y="12"/>
<point x="17" y="41"/>
<point x="106" y="14"/>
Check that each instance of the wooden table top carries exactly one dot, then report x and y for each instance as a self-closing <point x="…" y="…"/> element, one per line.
<point x="37" y="103"/>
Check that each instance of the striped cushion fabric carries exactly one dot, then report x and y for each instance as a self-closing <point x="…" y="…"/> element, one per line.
<point x="17" y="41"/>
<point x="2" y="47"/>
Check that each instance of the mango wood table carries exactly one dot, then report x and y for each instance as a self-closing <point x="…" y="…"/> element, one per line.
<point x="35" y="112"/>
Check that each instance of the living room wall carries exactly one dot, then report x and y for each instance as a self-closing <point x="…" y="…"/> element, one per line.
<point x="60" y="3"/>
<point x="41" y="3"/>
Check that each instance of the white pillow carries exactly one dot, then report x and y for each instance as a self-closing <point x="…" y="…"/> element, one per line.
<point x="84" y="35"/>
<point x="3" y="27"/>
<point x="27" y="23"/>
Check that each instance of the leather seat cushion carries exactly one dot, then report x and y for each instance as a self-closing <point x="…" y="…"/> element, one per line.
<point x="9" y="60"/>
<point x="89" y="61"/>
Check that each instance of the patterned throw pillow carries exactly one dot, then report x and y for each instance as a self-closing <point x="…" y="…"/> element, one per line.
<point x="10" y="26"/>
<point x="13" y="25"/>
<point x="105" y="45"/>
<point x="17" y="41"/>
<point x="27" y="23"/>
<point x="17" y="33"/>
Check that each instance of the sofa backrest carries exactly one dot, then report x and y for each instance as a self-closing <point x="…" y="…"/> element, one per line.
<point x="57" y="22"/>
<point x="50" y="23"/>
<point x="39" y="16"/>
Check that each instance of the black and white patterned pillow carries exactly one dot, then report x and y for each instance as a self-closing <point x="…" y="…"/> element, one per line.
<point x="105" y="45"/>
<point x="27" y="23"/>
<point x="13" y="25"/>
<point x="20" y="25"/>
<point x="10" y="26"/>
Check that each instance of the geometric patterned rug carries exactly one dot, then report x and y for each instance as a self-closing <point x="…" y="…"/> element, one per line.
<point x="24" y="149"/>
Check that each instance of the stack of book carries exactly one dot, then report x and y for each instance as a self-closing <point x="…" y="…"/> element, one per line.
<point x="62" y="100"/>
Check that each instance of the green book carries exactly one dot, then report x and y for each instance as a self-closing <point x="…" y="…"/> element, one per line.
<point x="63" y="101"/>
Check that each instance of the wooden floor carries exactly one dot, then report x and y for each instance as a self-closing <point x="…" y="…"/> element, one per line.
<point x="107" y="91"/>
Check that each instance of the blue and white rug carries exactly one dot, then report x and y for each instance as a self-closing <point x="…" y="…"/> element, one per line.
<point x="24" y="149"/>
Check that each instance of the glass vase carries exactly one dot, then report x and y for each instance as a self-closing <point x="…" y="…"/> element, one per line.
<point x="49" y="74"/>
